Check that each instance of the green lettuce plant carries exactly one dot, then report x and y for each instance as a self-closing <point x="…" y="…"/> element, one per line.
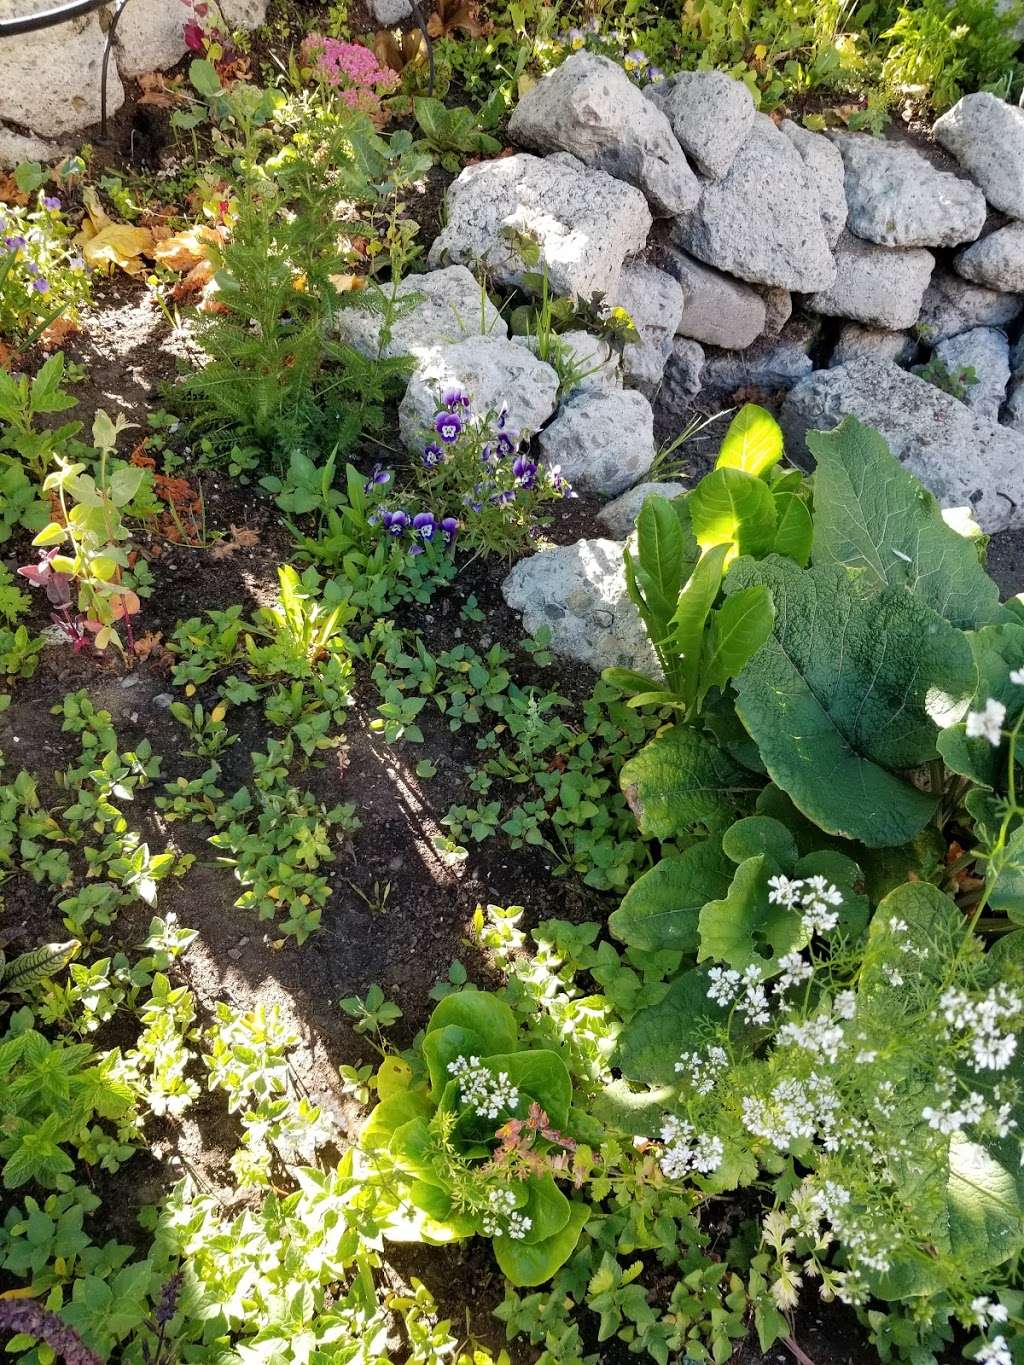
<point x="476" y="1145"/>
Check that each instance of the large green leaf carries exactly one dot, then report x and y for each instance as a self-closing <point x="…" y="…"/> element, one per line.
<point x="546" y="1207"/>
<point x="873" y="516"/>
<point x="731" y="508"/>
<point x="744" y="927"/>
<point x="986" y="1218"/>
<point x="661" y="552"/>
<point x="795" y="534"/>
<point x="649" y="1046"/>
<point x="738" y="630"/>
<point x="531" y="1263"/>
<point x="849" y="689"/>
<point x="753" y="442"/>
<point x="684" y="637"/>
<point x="482" y="1012"/>
<point x="681" y="782"/>
<point x="660" y="909"/>
<point x="539" y="1075"/>
<point x="997" y="650"/>
<point x="931" y="919"/>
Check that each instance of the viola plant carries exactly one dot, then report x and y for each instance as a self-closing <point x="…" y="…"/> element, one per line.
<point x="42" y="273"/>
<point x="480" y="481"/>
<point x="473" y="1141"/>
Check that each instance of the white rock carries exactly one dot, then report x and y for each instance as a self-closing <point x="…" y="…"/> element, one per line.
<point x="492" y="371"/>
<point x="602" y="442"/>
<point x="388" y="13"/>
<point x="964" y="459"/>
<point x="951" y="305"/>
<point x="589" y="107"/>
<point x="450" y="304"/>
<point x="586" y="222"/>
<point x="825" y="167"/>
<point x="247" y="14"/>
<point x="682" y="380"/>
<point x="16" y="147"/>
<point x="589" y="357"/>
<point x="986" y="351"/>
<point x="762" y="222"/>
<point x="579" y="592"/>
<point x="857" y="342"/>
<point x="150" y="36"/>
<point x="654" y="300"/>
<point x="997" y="261"/>
<point x="986" y="135"/>
<point x="717" y="310"/>
<point x="50" y="79"/>
<point x="770" y="364"/>
<point x="897" y="198"/>
<point x="710" y="113"/>
<point x="876" y="285"/>
<point x="620" y="516"/>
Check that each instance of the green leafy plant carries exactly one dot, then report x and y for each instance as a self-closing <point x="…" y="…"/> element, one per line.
<point x="451" y="134"/>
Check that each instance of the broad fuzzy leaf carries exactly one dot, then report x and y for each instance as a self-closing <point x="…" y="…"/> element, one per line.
<point x="660" y="909"/>
<point x="744" y="927"/>
<point x="681" y="782"/>
<point x="848" y="690"/>
<point x="649" y="1046"/>
<point x="874" y="517"/>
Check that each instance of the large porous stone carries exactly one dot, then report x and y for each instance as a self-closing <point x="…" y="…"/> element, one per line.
<point x="654" y="300"/>
<point x="390" y="12"/>
<point x="997" y="261"/>
<point x="602" y="442"/>
<point x="585" y="222"/>
<point x="825" y="167"/>
<point x="1013" y="413"/>
<point x="588" y="360"/>
<point x="620" y="516"/>
<point x="877" y="285"/>
<point x="770" y="365"/>
<point x="986" y="351"/>
<point x="762" y="222"/>
<point x="953" y="305"/>
<point x="434" y="309"/>
<point x="150" y="36"/>
<point x="964" y="459"/>
<point x="16" y="147"/>
<point x="872" y="343"/>
<point x="492" y="371"/>
<point x="986" y="135"/>
<point x="50" y="79"/>
<point x="710" y="113"/>
<point x="683" y="378"/>
<point x="717" y="310"/>
<point x="588" y="106"/>
<point x="579" y="593"/>
<point x="247" y="14"/>
<point x="896" y="198"/>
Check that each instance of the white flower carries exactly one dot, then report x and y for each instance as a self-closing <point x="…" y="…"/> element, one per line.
<point x="783" y="891"/>
<point x="1017" y="676"/>
<point x="995" y="1352"/>
<point x="501" y="1218"/>
<point x="819" y="1035"/>
<point x="947" y="1119"/>
<point x="724" y="985"/>
<point x="703" y="1067"/>
<point x="795" y="1109"/>
<point x="687" y="1151"/>
<point x="846" y="1004"/>
<point x="795" y="969"/>
<point x="753" y="1005"/>
<point x="819" y="902"/>
<point x="986" y="1310"/>
<point x="987" y="724"/>
<point x="487" y="1094"/>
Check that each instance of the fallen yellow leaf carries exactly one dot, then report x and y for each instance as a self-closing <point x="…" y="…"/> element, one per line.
<point x="120" y="245"/>
<point x="184" y="250"/>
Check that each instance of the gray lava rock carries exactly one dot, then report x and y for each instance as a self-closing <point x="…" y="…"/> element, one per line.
<point x="589" y="107"/>
<point x="602" y="442"/>
<point x="716" y="309"/>
<point x="591" y="357"/>
<point x="654" y="300"/>
<point x="762" y="222"/>
<point x="986" y="135"/>
<point x="771" y="364"/>
<point x="579" y="592"/>
<point x="492" y="371"/>
<point x="150" y="37"/>
<point x="16" y="147"/>
<point x="620" y="516"/>
<point x="1013" y="414"/>
<point x="986" y="351"/>
<point x="825" y="167"/>
<point x="50" y="79"/>
<point x="586" y="222"/>
<point x="449" y="304"/>
<point x="997" y="261"/>
<point x="876" y="285"/>
<point x="952" y="305"/>
<point x="388" y="13"/>
<point x="710" y="113"/>
<point x="964" y="459"/>
<point x="683" y="378"/>
<point x="778" y="309"/>
<point x="897" y="198"/>
<point x="871" y="343"/>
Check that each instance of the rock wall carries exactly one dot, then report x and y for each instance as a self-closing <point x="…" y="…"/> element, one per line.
<point x="50" y="79"/>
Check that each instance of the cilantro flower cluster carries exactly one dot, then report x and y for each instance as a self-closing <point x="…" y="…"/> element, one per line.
<point x="745" y="989"/>
<point x="816" y="897"/>
<point x="687" y="1151"/>
<point x="488" y="1095"/>
<point x="501" y="1218"/>
<point x="987" y="1024"/>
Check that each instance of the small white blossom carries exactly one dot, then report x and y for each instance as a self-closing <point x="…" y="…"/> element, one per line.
<point x="753" y="1004"/>
<point x="487" y="1094"/>
<point x="987" y="1310"/>
<point x="783" y="891"/>
<point x="949" y="1119"/>
<point x="725" y="984"/>
<point x="703" y="1068"/>
<point x="995" y="1352"/>
<point x="795" y="969"/>
<point x="501" y="1217"/>
<point x="1017" y="676"/>
<point x="820" y="1035"/>
<point x="846" y="1004"/>
<point x="987" y="724"/>
<point x="686" y="1150"/>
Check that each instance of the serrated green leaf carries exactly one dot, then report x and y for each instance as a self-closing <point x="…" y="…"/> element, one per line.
<point x="681" y="783"/>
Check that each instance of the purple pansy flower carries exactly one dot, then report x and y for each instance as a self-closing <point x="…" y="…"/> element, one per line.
<point x="488" y="455"/>
<point x="503" y="498"/>
<point x="14" y="243"/>
<point x="52" y="203"/>
<point x="424" y="524"/>
<point x="506" y="443"/>
<point x="525" y="471"/>
<point x="415" y="548"/>
<point x="448" y="425"/>
<point x="40" y="286"/>
<point x="455" y="398"/>
<point x="378" y="475"/>
<point x="502" y="416"/>
<point x="394" y="522"/>
<point x="535" y="533"/>
<point x="449" y="529"/>
<point x="433" y="455"/>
